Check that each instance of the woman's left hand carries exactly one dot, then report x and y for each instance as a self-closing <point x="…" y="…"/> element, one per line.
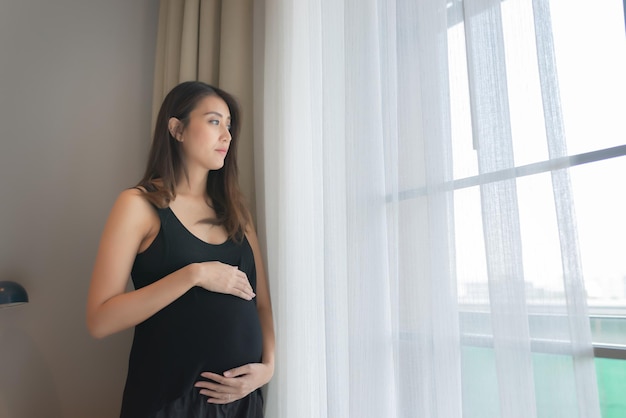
<point x="235" y="383"/>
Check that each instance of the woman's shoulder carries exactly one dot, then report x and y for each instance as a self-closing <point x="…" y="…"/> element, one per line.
<point x="132" y="205"/>
<point x="250" y="233"/>
<point x="134" y="196"/>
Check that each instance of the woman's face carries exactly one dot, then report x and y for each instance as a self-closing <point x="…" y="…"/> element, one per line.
<point x="206" y="138"/>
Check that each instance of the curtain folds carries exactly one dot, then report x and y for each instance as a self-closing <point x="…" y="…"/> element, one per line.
<point x="395" y="294"/>
<point x="210" y="41"/>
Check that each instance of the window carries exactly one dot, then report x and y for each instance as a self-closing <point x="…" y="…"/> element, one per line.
<point x="591" y="66"/>
<point x="590" y="53"/>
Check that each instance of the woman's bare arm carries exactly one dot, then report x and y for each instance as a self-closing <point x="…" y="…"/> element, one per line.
<point x="110" y="308"/>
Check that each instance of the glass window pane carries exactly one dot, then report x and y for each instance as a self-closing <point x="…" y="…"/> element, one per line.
<point x="479" y="383"/>
<point x="471" y="267"/>
<point x="541" y="252"/>
<point x="555" y="389"/>
<point x="612" y="387"/>
<point x="600" y="201"/>
<point x="591" y="65"/>
<point x="465" y="163"/>
<point x="523" y="86"/>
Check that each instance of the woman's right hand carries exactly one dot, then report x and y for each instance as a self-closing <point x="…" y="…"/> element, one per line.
<point x="222" y="278"/>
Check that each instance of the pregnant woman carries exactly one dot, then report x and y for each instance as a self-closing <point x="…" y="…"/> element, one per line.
<point x="204" y="339"/>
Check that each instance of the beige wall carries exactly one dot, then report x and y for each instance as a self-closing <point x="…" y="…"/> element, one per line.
<point x="75" y="92"/>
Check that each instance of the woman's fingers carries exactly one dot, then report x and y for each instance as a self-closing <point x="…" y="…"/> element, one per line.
<point x="242" y="286"/>
<point x="223" y="278"/>
<point x="219" y="390"/>
<point x="219" y="397"/>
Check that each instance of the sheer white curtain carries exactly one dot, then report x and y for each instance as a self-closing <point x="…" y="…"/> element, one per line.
<point x="392" y="219"/>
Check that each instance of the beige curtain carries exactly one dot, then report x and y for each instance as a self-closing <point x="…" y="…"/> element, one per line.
<point x="210" y="41"/>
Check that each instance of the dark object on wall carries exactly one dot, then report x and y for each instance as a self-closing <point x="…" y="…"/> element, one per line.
<point x="12" y="294"/>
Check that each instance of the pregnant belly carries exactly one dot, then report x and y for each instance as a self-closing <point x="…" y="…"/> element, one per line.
<point x="199" y="332"/>
<point x="230" y="334"/>
<point x="203" y="331"/>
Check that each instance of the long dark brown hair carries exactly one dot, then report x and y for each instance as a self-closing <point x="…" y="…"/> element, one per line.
<point x="166" y="165"/>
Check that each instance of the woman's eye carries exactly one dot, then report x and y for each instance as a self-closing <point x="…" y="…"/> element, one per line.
<point x="228" y="127"/>
<point x="214" y="122"/>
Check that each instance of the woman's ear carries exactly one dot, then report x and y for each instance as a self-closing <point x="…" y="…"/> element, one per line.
<point x="175" y="127"/>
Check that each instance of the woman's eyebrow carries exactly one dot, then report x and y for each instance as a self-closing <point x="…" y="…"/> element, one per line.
<point x="211" y="112"/>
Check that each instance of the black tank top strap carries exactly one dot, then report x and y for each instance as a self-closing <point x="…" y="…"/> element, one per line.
<point x="165" y="215"/>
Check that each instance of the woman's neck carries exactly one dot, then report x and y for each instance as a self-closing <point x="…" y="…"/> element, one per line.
<point x="193" y="185"/>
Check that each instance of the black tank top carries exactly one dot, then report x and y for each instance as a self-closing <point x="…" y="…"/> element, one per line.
<point x="200" y="331"/>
